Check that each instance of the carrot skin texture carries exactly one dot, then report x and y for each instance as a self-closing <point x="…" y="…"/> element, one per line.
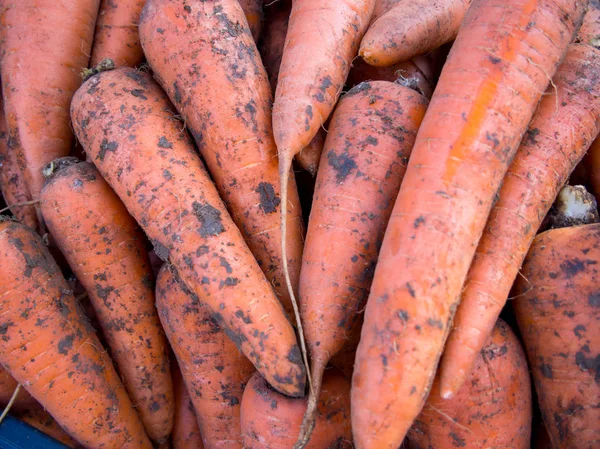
<point x="261" y="404"/>
<point x="410" y="29"/>
<point x="557" y="313"/>
<point x="214" y="369"/>
<point x="105" y="249"/>
<point x="562" y="129"/>
<point x="116" y="35"/>
<point x="233" y="132"/>
<point x="131" y="133"/>
<point x="50" y="350"/>
<point x="492" y="409"/>
<point x="186" y="433"/>
<point x="41" y="62"/>
<point x="462" y="151"/>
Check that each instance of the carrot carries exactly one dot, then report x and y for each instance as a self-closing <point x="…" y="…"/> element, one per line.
<point x="214" y="370"/>
<point x="105" y="250"/>
<point x="556" y="306"/>
<point x="127" y="126"/>
<point x="589" y="33"/>
<point x="309" y="157"/>
<point x="186" y="433"/>
<point x="272" y="421"/>
<point x="592" y="163"/>
<point x="462" y="151"/>
<point x="491" y="410"/>
<point x="48" y="348"/>
<point x="116" y="35"/>
<point x="39" y="418"/>
<point x="412" y="28"/>
<point x="381" y="7"/>
<point x="234" y="133"/>
<point x="371" y="134"/>
<point x="562" y="129"/>
<point x="41" y="60"/>
<point x="253" y="10"/>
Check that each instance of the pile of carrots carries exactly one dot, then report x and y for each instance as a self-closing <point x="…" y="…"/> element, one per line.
<point x="301" y="223"/>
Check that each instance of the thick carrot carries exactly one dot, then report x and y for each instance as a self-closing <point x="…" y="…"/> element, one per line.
<point x="491" y="410"/>
<point x="44" y="47"/>
<point x="117" y="34"/>
<point x="214" y="369"/>
<point x="39" y="418"/>
<point x="105" y="250"/>
<point x="232" y="131"/>
<point x="463" y="148"/>
<point x="48" y="348"/>
<point x="186" y="433"/>
<point x="127" y="126"/>
<point x="272" y="421"/>
<point x="562" y="129"/>
<point x="371" y="134"/>
<point x="253" y="10"/>
<point x="592" y="163"/>
<point x="412" y="28"/>
<point x="556" y="305"/>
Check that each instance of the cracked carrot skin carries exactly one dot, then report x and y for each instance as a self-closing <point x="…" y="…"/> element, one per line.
<point x="563" y="127"/>
<point x="232" y="129"/>
<point x="491" y="410"/>
<point x="186" y="432"/>
<point x="105" y="249"/>
<point x="214" y="369"/>
<point x="464" y="146"/>
<point x="128" y="127"/>
<point x="556" y="306"/>
<point x="49" y="348"/>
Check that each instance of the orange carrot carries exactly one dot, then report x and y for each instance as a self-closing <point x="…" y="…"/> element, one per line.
<point x="371" y="134"/>
<point x="41" y="60"/>
<point x="186" y="433"/>
<point x="381" y="7"/>
<point x="234" y="132"/>
<point x="491" y="410"/>
<point x="272" y="421"/>
<point x="105" y="250"/>
<point x="463" y="148"/>
<point x="116" y="35"/>
<point x="48" y="348"/>
<point x="253" y="9"/>
<point x="127" y="126"/>
<point x="412" y="28"/>
<point x="556" y="305"/>
<point x="562" y="129"/>
<point x="214" y="370"/>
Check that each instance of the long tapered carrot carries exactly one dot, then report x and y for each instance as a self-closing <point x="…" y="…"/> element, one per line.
<point x="41" y="60"/>
<point x="186" y="432"/>
<point x="127" y="126"/>
<point x="48" y="347"/>
<point x="105" y="250"/>
<point x="565" y="123"/>
<point x="233" y="132"/>
<point x="371" y="134"/>
<point x="463" y="148"/>
<point x="214" y="369"/>
<point x="412" y="28"/>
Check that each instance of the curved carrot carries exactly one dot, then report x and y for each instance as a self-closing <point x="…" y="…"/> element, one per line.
<point x="105" y="250"/>
<point x="41" y="60"/>
<point x="127" y="126"/>
<point x="39" y="418"/>
<point x="556" y="305"/>
<point x="253" y="10"/>
<point x="272" y="421"/>
<point x="412" y="28"/>
<point x="491" y="410"/>
<point x="371" y="134"/>
<point x="116" y="35"/>
<point x="214" y="370"/>
<point x="462" y="151"/>
<point x="48" y="348"/>
<point x="186" y="433"/>
<point x="562" y="129"/>
<point x="233" y="132"/>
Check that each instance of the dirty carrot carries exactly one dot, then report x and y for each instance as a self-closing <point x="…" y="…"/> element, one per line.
<point x="463" y="148"/>
<point x="116" y="35"/>
<point x="562" y="129"/>
<point x="371" y="134"/>
<point x="214" y="369"/>
<point x="186" y="433"/>
<point x="556" y="305"/>
<point x="49" y="348"/>
<point x="129" y="129"/>
<point x="105" y="249"/>
<point x="589" y="33"/>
